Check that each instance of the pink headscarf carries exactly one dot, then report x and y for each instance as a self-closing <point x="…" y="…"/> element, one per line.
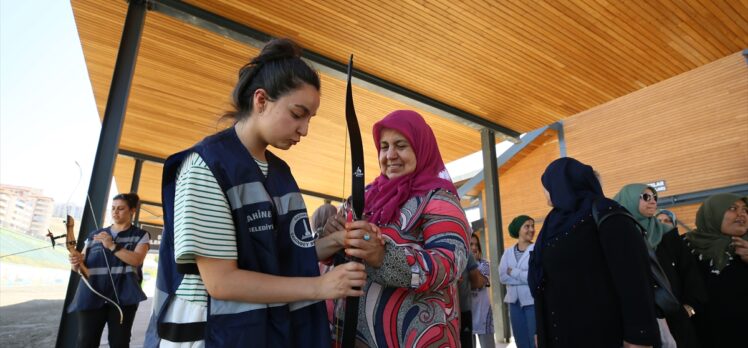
<point x="384" y="197"/>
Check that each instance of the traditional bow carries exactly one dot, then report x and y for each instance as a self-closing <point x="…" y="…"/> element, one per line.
<point x="357" y="200"/>
<point x="70" y="243"/>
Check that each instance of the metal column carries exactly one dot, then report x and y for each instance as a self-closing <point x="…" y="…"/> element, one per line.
<point x="134" y="187"/>
<point x="136" y="175"/>
<point x="106" y="152"/>
<point x="559" y="127"/>
<point x="495" y="235"/>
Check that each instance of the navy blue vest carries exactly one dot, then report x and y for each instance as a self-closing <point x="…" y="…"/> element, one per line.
<point x="126" y="278"/>
<point x="273" y="237"/>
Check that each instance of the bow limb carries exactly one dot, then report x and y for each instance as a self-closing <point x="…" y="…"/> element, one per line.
<point x="350" y="320"/>
<point x="357" y="150"/>
<point x="114" y="303"/>
<point x="70" y="244"/>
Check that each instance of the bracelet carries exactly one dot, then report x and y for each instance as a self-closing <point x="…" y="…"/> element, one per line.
<point x="690" y="310"/>
<point x="117" y="248"/>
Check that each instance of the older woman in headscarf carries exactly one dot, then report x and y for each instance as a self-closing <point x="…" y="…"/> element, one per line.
<point x="675" y="258"/>
<point x="720" y="242"/>
<point x="410" y="298"/>
<point x="592" y="286"/>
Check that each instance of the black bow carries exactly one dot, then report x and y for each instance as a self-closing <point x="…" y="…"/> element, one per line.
<point x="357" y="200"/>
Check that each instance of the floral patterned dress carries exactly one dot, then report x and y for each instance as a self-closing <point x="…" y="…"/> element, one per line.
<point x="411" y="300"/>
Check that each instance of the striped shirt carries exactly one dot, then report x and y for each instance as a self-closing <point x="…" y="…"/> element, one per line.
<point x="263" y="167"/>
<point x="203" y="225"/>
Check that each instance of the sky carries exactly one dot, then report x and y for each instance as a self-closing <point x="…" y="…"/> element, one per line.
<point x="48" y="116"/>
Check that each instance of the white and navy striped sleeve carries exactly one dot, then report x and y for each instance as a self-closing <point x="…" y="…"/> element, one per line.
<point x="202" y="218"/>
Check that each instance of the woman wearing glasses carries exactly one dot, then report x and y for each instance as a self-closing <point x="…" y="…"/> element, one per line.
<point x="674" y="257"/>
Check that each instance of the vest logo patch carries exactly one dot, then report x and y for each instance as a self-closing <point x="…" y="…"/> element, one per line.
<point x="260" y="221"/>
<point x="300" y="231"/>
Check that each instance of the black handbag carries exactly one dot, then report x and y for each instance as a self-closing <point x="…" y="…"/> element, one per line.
<point x="664" y="299"/>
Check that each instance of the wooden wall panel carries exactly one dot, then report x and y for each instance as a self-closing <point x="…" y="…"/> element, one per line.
<point x="690" y="130"/>
<point x="687" y="215"/>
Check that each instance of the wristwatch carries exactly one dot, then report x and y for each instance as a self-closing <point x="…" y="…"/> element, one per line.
<point x="116" y="248"/>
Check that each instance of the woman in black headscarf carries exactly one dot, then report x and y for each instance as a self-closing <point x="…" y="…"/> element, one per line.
<point x="592" y="287"/>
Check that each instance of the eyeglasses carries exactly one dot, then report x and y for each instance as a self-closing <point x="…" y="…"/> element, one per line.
<point x="648" y="197"/>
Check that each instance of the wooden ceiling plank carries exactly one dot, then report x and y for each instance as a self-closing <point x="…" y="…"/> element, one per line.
<point x="565" y="91"/>
<point x="721" y="25"/>
<point x="587" y="58"/>
<point x="677" y="40"/>
<point x="632" y="37"/>
<point x="641" y="28"/>
<point x="613" y="38"/>
<point x="695" y="28"/>
<point x="738" y="12"/>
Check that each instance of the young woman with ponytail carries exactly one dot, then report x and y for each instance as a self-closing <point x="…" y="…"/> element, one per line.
<point x="238" y="260"/>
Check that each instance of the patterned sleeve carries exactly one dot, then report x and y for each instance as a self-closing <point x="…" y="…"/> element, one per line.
<point x="202" y="218"/>
<point x="441" y="259"/>
<point x="484" y="267"/>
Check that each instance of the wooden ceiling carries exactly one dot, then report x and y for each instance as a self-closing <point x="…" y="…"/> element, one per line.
<point x="520" y="64"/>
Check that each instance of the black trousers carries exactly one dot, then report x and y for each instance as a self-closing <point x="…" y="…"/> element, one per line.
<point x="91" y="325"/>
<point x="466" y="329"/>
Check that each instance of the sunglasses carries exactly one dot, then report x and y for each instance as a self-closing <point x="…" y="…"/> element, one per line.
<point x="648" y="197"/>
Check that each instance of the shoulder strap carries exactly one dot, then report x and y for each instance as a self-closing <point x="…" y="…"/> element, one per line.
<point x="599" y="220"/>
